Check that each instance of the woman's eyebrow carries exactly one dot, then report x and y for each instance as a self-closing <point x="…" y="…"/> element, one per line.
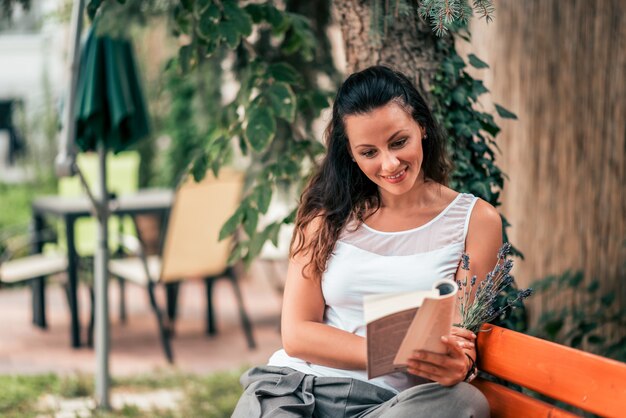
<point x="391" y="138"/>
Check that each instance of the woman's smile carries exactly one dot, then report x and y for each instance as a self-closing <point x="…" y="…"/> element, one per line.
<point x="397" y="177"/>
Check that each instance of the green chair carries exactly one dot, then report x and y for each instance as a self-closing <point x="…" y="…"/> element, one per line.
<point x="122" y="178"/>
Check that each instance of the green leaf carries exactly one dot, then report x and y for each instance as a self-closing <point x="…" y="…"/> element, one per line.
<point x="593" y="286"/>
<point x="258" y="12"/>
<point x="256" y="244"/>
<point x="273" y="231"/>
<point x="236" y="253"/>
<point x="477" y="62"/>
<point x="263" y="197"/>
<point x="588" y="327"/>
<point x="553" y="327"/>
<point x="241" y="19"/>
<point x="212" y="12"/>
<point x="291" y="218"/>
<point x="280" y="21"/>
<point x="459" y="95"/>
<point x="232" y="223"/>
<point x="607" y="300"/>
<point x="250" y="221"/>
<point x="261" y="127"/>
<point x="184" y="57"/>
<point x="282" y="71"/>
<point x="208" y="29"/>
<point x="577" y="341"/>
<point x="283" y="101"/>
<point x="200" y="166"/>
<point x="479" y="88"/>
<point x="293" y="43"/>
<point x="187" y="4"/>
<point x="505" y="113"/>
<point x="576" y="279"/>
<point x="229" y="33"/>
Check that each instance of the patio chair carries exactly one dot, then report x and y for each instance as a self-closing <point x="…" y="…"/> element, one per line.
<point x="29" y="267"/>
<point x="191" y="249"/>
<point x="122" y="178"/>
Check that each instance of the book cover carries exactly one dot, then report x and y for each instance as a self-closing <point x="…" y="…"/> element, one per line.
<point x="399" y="323"/>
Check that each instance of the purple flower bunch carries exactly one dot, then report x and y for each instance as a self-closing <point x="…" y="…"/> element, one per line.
<point x="484" y="307"/>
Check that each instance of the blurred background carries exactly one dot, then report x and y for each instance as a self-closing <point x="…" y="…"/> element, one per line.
<point x="533" y="101"/>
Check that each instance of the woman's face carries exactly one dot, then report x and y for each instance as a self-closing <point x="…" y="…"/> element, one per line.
<point x="386" y="143"/>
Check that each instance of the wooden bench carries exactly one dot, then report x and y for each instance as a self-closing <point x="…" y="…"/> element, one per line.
<point x="592" y="383"/>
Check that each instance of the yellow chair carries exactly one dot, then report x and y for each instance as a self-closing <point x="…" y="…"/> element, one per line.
<point x="122" y="178"/>
<point x="191" y="248"/>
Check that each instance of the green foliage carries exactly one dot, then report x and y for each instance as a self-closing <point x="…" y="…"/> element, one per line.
<point x="15" y="212"/>
<point x="471" y="132"/>
<point x="472" y="148"/>
<point x="270" y="116"/>
<point x="584" y="323"/>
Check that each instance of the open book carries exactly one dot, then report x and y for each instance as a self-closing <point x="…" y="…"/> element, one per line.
<point x="399" y="323"/>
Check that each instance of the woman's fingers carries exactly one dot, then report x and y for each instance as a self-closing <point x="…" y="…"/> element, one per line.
<point x="447" y="369"/>
<point x="464" y="333"/>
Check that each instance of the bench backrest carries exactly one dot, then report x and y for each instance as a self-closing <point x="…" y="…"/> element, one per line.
<point x="587" y="381"/>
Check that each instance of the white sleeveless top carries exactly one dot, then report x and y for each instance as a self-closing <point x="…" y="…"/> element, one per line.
<point x="366" y="261"/>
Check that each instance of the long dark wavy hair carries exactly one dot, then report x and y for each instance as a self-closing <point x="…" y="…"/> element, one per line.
<point x="339" y="191"/>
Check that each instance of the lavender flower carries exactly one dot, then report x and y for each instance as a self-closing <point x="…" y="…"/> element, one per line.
<point x="482" y="308"/>
<point x="465" y="261"/>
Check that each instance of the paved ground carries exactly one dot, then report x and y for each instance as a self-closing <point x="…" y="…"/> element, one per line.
<point x="135" y="347"/>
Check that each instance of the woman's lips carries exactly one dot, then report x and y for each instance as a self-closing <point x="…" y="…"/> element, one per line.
<point x="396" y="178"/>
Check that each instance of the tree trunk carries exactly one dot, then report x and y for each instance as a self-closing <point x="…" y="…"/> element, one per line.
<point x="407" y="44"/>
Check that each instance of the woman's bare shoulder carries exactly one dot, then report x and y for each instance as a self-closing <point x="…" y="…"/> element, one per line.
<point x="485" y="215"/>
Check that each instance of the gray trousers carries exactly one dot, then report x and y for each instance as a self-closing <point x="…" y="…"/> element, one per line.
<point x="283" y="392"/>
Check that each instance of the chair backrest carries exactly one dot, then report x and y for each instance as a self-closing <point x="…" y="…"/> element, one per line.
<point x="122" y="178"/>
<point x="191" y="247"/>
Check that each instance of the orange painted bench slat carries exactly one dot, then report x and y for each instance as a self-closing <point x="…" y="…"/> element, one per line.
<point x="587" y="381"/>
<point x="507" y="403"/>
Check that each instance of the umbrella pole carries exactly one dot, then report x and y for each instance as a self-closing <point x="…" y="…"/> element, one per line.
<point x="101" y="275"/>
<point x="65" y="161"/>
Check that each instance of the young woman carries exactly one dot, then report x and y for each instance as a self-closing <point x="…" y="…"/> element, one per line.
<point x="377" y="217"/>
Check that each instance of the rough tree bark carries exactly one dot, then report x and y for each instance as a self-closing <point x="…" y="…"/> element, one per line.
<point x="409" y="44"/>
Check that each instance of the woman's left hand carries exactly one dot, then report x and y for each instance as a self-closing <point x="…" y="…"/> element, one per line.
<point x="447" y="369"/>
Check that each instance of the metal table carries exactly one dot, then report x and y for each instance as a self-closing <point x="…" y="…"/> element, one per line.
<point x="147" y="201"/>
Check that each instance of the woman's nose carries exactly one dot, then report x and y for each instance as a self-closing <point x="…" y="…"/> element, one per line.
<point x="390" y="163"/>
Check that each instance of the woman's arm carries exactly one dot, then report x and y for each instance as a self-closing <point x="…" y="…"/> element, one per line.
<point x="304" y="334"/>
<point x="484" y="239"/>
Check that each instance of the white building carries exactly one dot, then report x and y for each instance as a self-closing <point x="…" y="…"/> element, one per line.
<point x="33" y="73"/>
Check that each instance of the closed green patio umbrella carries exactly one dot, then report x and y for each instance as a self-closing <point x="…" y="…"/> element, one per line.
<point x="110" y="107"/>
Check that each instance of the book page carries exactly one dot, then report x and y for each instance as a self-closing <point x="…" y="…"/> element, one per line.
<point x="432" y="321"/>
<point x="384" y="336"/>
